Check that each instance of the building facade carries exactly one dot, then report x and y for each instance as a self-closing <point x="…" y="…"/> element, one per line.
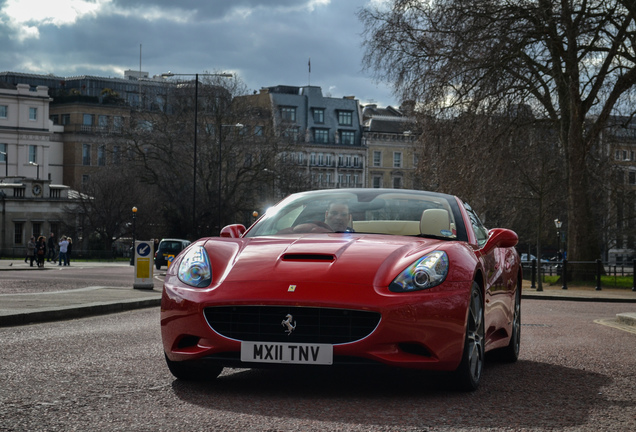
<point x="390" y="137"/>
<point x="326" y="132"/>
<point x="31" y="150"/>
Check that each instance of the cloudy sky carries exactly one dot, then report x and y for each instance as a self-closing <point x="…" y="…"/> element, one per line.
<point x="264" y="42"/>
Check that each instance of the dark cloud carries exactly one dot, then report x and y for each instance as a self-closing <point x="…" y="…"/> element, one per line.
<point x="269" y="46"/>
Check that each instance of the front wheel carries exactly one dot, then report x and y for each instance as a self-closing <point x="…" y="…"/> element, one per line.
<point x="468" y="374"/>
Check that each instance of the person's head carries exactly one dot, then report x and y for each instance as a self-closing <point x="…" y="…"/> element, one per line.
<point x="70" y="240"/>
<point x="337" y="216"/>
<point x="52" y="235"/>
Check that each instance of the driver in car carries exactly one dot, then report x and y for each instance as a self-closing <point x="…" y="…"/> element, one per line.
<point x="338" y="217"/>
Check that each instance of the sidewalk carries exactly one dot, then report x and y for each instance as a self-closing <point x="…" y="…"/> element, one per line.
<point x="26" y="308"/>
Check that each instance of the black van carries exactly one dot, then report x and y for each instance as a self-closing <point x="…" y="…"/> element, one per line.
<point x="168" y="247"/>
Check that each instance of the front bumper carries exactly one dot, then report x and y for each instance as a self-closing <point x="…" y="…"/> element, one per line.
<point x="419" y="330"/>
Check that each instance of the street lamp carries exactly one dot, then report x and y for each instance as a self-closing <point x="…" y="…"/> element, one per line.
<point x="38" y="166"/>
<point x="558" y="225"/>
<point x="6" y="163"/>
<point x="134" y="217"/>
<point x="196" y="118"/>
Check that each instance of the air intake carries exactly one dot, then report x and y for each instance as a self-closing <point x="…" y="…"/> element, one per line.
<point x="308" y="257"/>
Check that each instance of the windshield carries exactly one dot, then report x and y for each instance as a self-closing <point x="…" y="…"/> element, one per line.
<point x="374" y="211"/>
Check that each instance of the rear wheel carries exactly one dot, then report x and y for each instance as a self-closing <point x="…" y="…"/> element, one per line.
<point x="189" y="371"/>
<point x="468" y="374"/>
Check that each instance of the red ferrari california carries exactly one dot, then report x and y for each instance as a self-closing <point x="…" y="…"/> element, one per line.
<point x="402" y="278"/>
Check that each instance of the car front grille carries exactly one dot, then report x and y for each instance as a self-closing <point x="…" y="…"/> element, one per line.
<point x="311" y="325"/>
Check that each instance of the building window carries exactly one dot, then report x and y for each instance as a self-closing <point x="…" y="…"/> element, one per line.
<point x="37" y="229"/>
<point x="33" y="113"/>
<point x="118" y="123"/>
<point x="101" y="155"/>
<point x="345" y="118"/>
<point x="33" y="154"/>
<point x="86" y="154"/>
<point x="632" y="178"/>
<point x="312" y="159"/>
<point x="17" y="232"/>
<point x="347" y="137"/>
<point x="87" y="119"/>
<point x="102" y="121"/>
<point x="116" y="155"/>
<point x="4" y="111"/>
<point x="291" y="132"/>
<point x="288" y="114"/>
<point x="85" y="179"/>
<point x="397" y="182"/>
<point x="356" y="161"/>
<point x="301" y="158"/>
<point x="55" y="119"/>
<point x="377" y="158"/>
<point x="377" y="182"/>
<point x="3" y="153"/>
<point x="66" y="119"/>
<point x="319" y="115"/>
<point x="397" y="160"/>
<point x="258" y="131"/>
<point x="321" y="136"/>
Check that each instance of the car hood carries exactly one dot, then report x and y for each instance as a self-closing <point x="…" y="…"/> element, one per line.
<point x="355" y="258"/>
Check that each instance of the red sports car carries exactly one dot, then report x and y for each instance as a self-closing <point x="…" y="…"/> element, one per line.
<point x="347" y="276"/>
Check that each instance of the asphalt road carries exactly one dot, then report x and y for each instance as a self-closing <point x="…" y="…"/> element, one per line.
<point x="108" y="373"/>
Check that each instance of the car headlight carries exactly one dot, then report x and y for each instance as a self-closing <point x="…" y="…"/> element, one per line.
<point x="427" y="272"/>
<point x="195" y="269"/>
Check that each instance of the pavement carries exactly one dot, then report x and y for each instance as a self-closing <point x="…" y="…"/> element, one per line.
<point x="27" y="308"/>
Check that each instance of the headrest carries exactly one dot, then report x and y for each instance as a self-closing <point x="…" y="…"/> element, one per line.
<point x="435" y="222"/>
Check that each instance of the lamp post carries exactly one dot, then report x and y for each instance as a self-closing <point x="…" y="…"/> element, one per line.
<point x="134" y="229"/>
<point x="194" y="152"/>
<point x="6" y="163"/>
<point x="558" y="225"/>
<point x="38" y="167"/>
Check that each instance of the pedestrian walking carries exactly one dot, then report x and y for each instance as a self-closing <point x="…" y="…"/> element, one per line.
<point x="63" y="249"/>
<point x="50" y="244"/>
<point x="40" y="250"/>
<point x="30" y="252"/>
<point x="69" y="249"/>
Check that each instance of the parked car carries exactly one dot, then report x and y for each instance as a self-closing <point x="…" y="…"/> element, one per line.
<point x="402" y="278"/>
<point x="168" y="247"/>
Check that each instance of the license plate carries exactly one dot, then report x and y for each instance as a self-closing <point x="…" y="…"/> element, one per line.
<point x="296" y="353"/>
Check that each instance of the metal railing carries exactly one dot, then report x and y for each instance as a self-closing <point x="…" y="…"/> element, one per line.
<point x="593" y="274"/>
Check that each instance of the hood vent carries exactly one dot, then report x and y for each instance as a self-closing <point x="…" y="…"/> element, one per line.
<point x="308" y="257"/>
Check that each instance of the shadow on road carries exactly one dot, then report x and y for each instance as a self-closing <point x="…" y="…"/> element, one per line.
<point x="522" y="395"/>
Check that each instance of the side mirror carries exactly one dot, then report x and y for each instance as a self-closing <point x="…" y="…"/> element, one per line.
<point x="233" y="231"/>
<point x="500" y="238"/>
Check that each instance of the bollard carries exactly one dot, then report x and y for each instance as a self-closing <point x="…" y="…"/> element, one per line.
<point x="564" y="274"/>
<point x="599" y="263"/>
<point x="533" y="272"/>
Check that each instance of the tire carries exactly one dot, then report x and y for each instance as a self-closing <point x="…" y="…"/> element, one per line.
<point x="468" y="374"/>
<point x="189" y="371"/>
<point x="510" y="353"/>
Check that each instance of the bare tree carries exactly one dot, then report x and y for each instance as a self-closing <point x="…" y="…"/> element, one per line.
<point x="572" y="62"/>
<point x="234" y="146"/>
<point x="102" y="210"/>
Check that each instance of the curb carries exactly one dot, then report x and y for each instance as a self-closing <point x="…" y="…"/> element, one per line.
<point x="626" y="319"/>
